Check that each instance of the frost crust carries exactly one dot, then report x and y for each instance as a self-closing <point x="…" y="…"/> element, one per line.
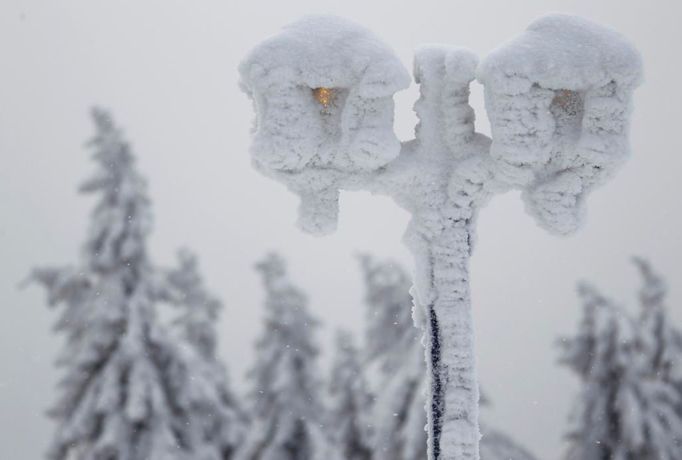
<point x="294" y="132"/>
<point x="559" y="99"/>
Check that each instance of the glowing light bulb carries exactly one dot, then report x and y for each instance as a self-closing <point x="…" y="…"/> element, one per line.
<point x="568" y="101"/>
<point x="324" y="96"/>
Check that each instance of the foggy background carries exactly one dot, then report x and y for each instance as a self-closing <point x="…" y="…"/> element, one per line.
<point x="167" y="70"/>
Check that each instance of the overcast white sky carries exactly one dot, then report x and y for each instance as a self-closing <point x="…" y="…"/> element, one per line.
<point x="167" y="69"/>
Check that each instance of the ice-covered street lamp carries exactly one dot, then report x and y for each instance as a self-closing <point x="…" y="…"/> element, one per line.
<point x="558" y="98"/>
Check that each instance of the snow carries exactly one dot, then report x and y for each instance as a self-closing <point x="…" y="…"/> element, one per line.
<point x="131" y="388"/>
<point x="630" y="404"/>
<point x="349" y="419"/>
<point x="443" y="110"/>
<point x="288" y="418"/>
<point x="392" y="344"/>
<point x="292" y="133"/>
<point x="559" y="101"/>
<point x="561" y="51"/>
<point x="217" y="421"/>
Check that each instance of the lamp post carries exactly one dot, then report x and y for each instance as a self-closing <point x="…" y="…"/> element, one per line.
<point x="558" y="98"/>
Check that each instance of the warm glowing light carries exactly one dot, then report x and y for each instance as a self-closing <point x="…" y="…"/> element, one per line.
<point x="568" y="101"/>
<point x="324" y="96"/>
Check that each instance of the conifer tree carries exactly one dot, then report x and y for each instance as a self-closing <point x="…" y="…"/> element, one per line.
<point x="624" y="412"/>
<point x="118" y="398"/>
<point x="288" y="418"/>
<point x="660" y="340"/>
<point x="216" y="422"/>
<point x="350" y="400"/>
<point x="598" y="355"/>
<point x="660" y="346"/>
<point x="393" y="346"/>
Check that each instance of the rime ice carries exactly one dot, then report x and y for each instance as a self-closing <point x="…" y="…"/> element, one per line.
<point x="295" y="134"/>
<point x="392" y="344"/>
<point x="558" y="98"/>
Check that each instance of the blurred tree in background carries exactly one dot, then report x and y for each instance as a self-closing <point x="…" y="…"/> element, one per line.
<point x="136" y="387"/>
<point x="131" y="389"/>
<point x="288" y="417"/>
<point x="629" y="405"/>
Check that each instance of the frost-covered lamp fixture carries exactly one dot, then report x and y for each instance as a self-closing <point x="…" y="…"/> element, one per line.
<point x="558" y="98"/>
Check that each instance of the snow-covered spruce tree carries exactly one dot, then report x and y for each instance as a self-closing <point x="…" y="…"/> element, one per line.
<point x="599" y="354"/>
<point x="117" y="400"/>
<point x="660" y="345"/>
<point x="660" y="340"/>
<point x="558" y="98"/>
<point x="349" y="421"/>
<point x="287" y="415"/>
<point x="216" y="423"/>
<point x="392" y="345"/>
<point x="623" y="412"/>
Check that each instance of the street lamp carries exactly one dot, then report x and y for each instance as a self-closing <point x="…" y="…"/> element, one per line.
<point x="558" y="98"/>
